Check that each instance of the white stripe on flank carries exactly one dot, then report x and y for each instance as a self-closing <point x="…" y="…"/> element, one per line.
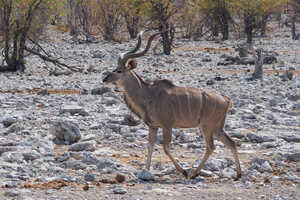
<point x="139" y="82"/>
<point x="200" y="103"/>
<point x="179" y="106"/>
<point x="188" y="102"/>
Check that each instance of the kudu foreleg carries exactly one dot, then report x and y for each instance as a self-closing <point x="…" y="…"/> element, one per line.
<point x="151" y="141"/>
<point x="167" y="137"/>
<point x="210" y="147"/>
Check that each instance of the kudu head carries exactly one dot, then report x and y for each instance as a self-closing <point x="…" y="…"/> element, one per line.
<point x="126" y="62"/>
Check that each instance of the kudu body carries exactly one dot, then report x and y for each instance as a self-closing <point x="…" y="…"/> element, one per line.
<point x="162" y="104"/>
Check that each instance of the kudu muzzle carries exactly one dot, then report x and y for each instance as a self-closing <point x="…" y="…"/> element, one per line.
<point x="106" y="76"/>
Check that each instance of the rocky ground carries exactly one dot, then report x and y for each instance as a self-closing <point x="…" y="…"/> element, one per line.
<point x="70" y="137"/>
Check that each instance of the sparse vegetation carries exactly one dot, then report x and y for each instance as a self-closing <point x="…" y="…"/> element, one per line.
<point x="64" y="135"/>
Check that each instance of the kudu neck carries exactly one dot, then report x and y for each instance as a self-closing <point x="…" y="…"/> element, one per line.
<point x="135" y="85"/>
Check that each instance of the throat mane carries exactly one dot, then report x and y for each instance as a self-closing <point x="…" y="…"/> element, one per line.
<point x="135" y="96"/>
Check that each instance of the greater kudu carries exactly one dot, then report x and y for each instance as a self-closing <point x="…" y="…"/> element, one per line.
<point x="162" y="104"/>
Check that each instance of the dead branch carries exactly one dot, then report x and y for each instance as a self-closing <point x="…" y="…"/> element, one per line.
<point x="56" y="62"/>
<point x="258" y="57"/>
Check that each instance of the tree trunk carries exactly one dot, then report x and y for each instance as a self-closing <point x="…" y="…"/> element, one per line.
<point x="109" y="30"/>
<point x="225" y="30"/>
<point x="293" y="28"/>
<point x="132" y="23"/>
<point x="224" y="17"/>
<point x="15" y="59"/>
<point x="215" y="30"/>
<point x="164" y="29"/>
<point x="249" y="28"/>
<point x="263" y="25"/>
<point x="249" y="33"/>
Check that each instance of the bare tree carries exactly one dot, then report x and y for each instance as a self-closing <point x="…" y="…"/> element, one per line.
<point x="255" y="14"/>
<point x="110" y="18"/>
<point x="17" y="27"/>
<point x="80" y="17"/>
<point x="23" y="23"/>
<point x="190" y="20"/>
<point x="132" y="12"/>
<point x="295" y="12"/>
<point x="219" y="18"/>
<point x="161" y="13"/>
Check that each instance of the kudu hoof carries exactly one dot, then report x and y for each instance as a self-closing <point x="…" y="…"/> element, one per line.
<point x="237" y="177"/>
<point x="194" y="176"/>
<point x="185" y="174"/>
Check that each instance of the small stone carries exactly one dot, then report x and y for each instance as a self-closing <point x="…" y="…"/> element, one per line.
<point x="260" y="165"/>
<point x="86" y="187"/>
<point x="109" y="101"/>
<point x="11" y="193"/>
<point x="119" y="190"/>
<point x="10" y="184"/>
<point x="33" y="155"/>
<point x="66" y="178"/>
<point x="206" y="59"/>
<point x="120" y="178"/>
<point x="291" y="177"/>
<point x="236" y="135"/>
<point x="145" y="175"/>
<point x="73" y="109"/>
<point x="96" y="126"/>
<point x="100" y="91"/>
<point x="63" y="157"/>
<point x="65" y="132"/>
<point x="295" y="157"/>
<point x="275" y="101"/>
<point x="15" y="127"/>
<point x="105" y="164"/>
<point x="259" y="138"/>
<point x="130" y="121"/>
<point x="268" y="145"/>
<point x="74" y="164"/>
<point x="97" y="54"/>
<point x="13" y="157"/>
<point x="89" y="177"/>
<point x="228" y="173"/>
<point x="206" y="173"/>
<point x="210" y="82"/>
<point x="89" y="158"/>
<point x="83" y="146"/>
<point x="7" y="149"/>
<point x="291" y="138"/>
<point x="9" y="121"/>
<point x="293" y="97"/>
<point x="44" y="92"/>
<point x="214" y="164"/>
<point x="266" y="167"/>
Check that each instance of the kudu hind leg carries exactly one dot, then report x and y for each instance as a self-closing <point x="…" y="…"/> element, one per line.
<point x="228" y="142"/>
<point x="210" y="147"/>
<point x="151" y="141"/>
<point x="167" y="136"/>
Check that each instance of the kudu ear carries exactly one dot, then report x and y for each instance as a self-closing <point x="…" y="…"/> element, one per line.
<point x="131" y="64"/>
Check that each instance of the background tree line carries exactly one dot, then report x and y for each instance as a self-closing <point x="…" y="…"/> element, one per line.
<point x="22" y="22"/>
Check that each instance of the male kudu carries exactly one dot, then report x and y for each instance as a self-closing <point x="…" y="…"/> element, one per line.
<point x="162" y="104"/>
